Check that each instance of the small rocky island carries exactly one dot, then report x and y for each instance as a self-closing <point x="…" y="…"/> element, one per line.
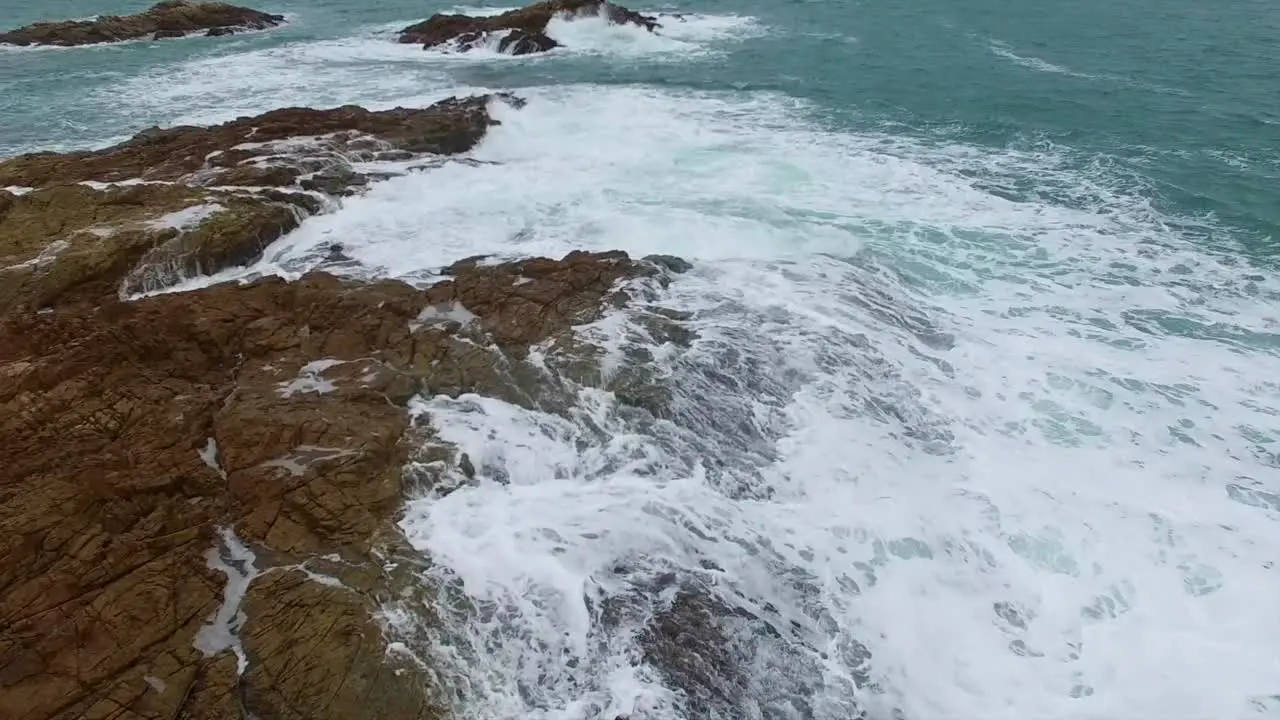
<point x="167" y="19"/>
<point x="523" y="31"/>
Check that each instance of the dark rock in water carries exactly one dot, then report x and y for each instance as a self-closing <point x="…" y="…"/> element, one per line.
<point x="336" y="253"/>
<point x="725" y="660"/>
<point x="528" y="25"/>
<point x="168" y="19"/>
<point x="393" y="156"/>
<point x="693" y="649"/>
<point x="671" y="263"/>
<point x="336" y="180"/>
<point x="465" y="465"/>
<point x="520" y="42"/>
<point x="469" y="40"/>
<point x="220" y="32"/>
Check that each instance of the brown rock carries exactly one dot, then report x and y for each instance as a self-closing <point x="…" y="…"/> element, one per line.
<point x="342" y="672"/>
<point x="528" y="25"/>
<point x="139" y="435"/>
<point x="76" y="242"/>
<point x="524" y="302"/>
<point x="191" y="201"/>
<point x="171" y="18"/>
<point x="205" y="155"/>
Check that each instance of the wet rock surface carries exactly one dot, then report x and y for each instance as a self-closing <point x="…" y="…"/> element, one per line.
<point x="199" y="486"/>
<point x="729" y="658"/>
<point x="525" y="27"/>
<point x="173" y="203"/>
<point x="168" y="19"/>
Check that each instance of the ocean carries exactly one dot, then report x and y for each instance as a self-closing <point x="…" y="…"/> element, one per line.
<point x="984" y="410"/>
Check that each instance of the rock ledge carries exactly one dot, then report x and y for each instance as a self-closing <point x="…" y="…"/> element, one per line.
<point x="172" y="203"/>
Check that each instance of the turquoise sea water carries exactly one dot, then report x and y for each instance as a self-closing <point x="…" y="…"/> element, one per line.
<point x="989" y="320"/>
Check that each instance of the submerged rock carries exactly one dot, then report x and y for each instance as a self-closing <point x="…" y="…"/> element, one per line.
<point x="178" y="462"/>
<point x="525" y="27"/>
<point x="188" y="201"/>
<point x="734" y="659"/>
<point x="168" y="19"/>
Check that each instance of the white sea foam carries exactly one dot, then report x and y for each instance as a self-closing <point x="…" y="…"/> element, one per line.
<point x="310" y="379"/>
<point x="1071" y="462"/>
<point x="235" y="560"/>
<point x="186" y="218"/>
<point x="679" y="38"/>
<point x="1003" y="50"/>
<point x="372" y="69"/>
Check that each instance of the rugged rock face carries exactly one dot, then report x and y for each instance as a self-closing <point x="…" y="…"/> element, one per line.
<point x="199" y="488"/>
<point x="526" y="26"/>
<point x="191" y="200"/>
<point x="168" y="19"/>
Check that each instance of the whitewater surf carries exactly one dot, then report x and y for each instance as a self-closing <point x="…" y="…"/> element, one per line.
<point x="970" y="421"/>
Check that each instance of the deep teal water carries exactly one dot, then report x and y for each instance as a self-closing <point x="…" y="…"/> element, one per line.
<point x="1181" y="97"/>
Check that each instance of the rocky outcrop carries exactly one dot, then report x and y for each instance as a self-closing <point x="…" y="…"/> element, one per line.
<point x="168" y="19"/>
<point x="524" y="30"/>
<point x="275" y="148"/>
<point x="169" y="204"/>
<point x="200" y="489"/>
